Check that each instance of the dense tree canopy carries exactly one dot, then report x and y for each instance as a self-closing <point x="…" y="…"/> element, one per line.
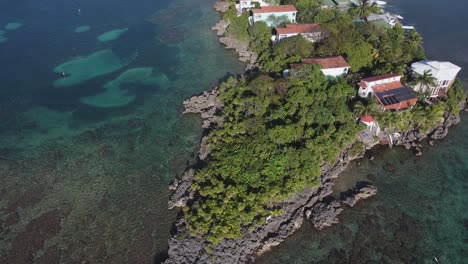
<point x="275" y="137"/>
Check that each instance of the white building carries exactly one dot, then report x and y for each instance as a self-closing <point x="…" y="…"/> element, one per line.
<point x="371" y="124"/>
<point x="335" y="66"/>
<point x="311" y="32"/>
<point x="245" y="5"/>
<point x="366" y="85"/>
<point x="444" y="72"/>
<point x="274" y="15"/>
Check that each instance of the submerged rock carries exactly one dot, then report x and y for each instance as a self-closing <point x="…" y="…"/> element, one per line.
<point x="324" y="214"/>
<point x="112" y="35"/>
<point x="182" y="192"/>
<point x="363" y="190"/>
<point x="222" y="6"/>
<point x="81" y="69"/>
<point x="241" y="47"/>
<point x="207" y="105"/>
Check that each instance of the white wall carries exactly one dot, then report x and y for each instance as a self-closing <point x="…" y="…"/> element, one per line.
<point x="335" y="72"/>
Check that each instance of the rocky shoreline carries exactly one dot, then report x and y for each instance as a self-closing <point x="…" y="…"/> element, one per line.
<point x="317" y="205"/>
<point x="241" y="47"/>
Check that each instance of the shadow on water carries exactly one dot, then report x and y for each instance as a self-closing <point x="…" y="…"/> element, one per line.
<point x="160" y="257"/>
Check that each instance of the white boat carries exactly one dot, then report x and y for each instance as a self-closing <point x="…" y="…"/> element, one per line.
<point x="407" y="27"/>
<point x="399" y="17"/>
<point x="380" y="3"/>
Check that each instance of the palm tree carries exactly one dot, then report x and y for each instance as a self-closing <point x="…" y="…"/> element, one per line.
<point x="360" y="109"/>
<point x="414" y="38"/>
<point x="435" y="115"/>
<point x="425" y="80"/>
<point x="364" y="9"/>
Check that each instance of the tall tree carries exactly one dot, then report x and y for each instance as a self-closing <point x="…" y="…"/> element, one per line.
<point x="424" y="81"/>
<point x="364" y="9"/>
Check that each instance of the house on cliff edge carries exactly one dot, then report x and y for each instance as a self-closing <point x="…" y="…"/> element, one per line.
<point x="390" y="93"/>
<point x="445" y="74"/>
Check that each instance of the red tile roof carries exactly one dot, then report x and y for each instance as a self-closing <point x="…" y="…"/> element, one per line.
<point x="380" y="77"/>
<point x="328" y="62"/>
<point x="275" y="9"/>
<point x="367" y="118"/>
<point x="394" y="96"/>
<point x="387" y="86"/>
<point x="299" y="28"/>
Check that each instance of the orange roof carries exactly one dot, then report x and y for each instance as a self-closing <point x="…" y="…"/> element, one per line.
<point x="299" y="28"/>
<point x="328" y="62"/>
<point x="367" y="118"/>
<point x="387" y="86"/>
<point x="275" y="9"/>
<point x="380" y="77"/>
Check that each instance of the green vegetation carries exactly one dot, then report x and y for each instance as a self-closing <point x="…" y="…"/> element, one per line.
<point x="364" y="9"/>
<point x="369" y="48"/>
<point x="278" y="133"/>
<point x="275" y="137"/>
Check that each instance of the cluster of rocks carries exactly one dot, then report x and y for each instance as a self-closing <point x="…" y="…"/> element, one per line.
<point x="363" y="190"/>
<point x="207" y="105"/>
<point x="222" y="6"/>
<point x="241" y="47"/>
<point x="412" y="139"/>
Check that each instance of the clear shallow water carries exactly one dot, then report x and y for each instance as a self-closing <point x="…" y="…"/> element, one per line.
<point x="83" y="183"/>
<point x="420" y="211"/>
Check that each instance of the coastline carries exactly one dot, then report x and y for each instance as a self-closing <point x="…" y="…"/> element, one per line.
<point x="315" y="202"/>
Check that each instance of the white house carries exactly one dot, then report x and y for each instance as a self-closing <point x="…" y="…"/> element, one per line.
<point x="371" y="124"/>
<point x="311" y="32"/>
<point x="331" y="66"/>
<point x="444" y="72"/>
<point x="335" y="66"/>
<point x="245" y="5"/>
<point x="274" y="15"/>
<point x="390" y="93"/>
<point x="366" y="85"/>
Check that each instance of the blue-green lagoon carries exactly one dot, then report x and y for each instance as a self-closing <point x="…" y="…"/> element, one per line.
<point x="92" y="132"/>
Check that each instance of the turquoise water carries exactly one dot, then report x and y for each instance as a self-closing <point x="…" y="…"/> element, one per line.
<point x="87" y="151"/>
<point x="420" y="212"/>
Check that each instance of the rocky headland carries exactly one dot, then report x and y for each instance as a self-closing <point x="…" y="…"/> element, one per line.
<point x="316" y="204"/>
<point x="312" y="204"/>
